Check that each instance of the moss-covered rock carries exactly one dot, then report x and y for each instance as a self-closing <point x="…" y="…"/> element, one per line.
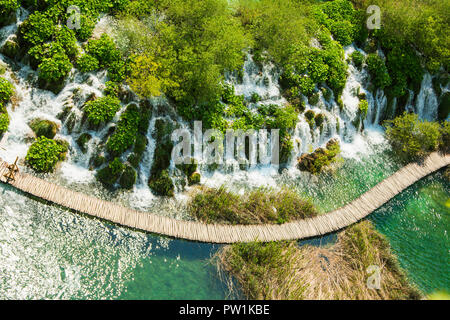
<point x="322" y="157"/>
<point x="83" y="140"/>
<point x="194" y="178"/>
<point x="161" y="184"/>
<point x="111" y="173"/>
<point x="10" y="48"/>
<point x="128" y="178"/>
<point x="314" y="99"/>
<point x="98" y="160"/>
<point x="42" y="127"/>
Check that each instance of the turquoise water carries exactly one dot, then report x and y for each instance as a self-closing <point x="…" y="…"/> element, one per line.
<point x="49" y="253"/>
<point x="417" y="224"/>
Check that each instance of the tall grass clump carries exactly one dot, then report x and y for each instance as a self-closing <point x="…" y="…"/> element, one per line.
<point x="259" y="206"/>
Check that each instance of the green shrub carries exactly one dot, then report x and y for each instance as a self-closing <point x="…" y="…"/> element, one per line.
<point x="37" y="29"/>
<point x="44" y="128"/>
<point x="104" y="50"/>
<point x="87" y="63"/>
<point x="4" y="122"/>
<point x="319" y="119"/>
<point x="411" y="138"/>
<point x="378" y="71"/>
<point x="87" y="25"/>
<point x="319" y="159"/>
<point x="357" y="59"/>
<point x="343" y="32"/>
<point x="44" y="154"/>
<point x="7" y="11"/>
<point x="102" y="109"/>
<point x="161" y="184"/>
<point x="83" y="140"/>
<point x="55" y="65"/>
<point x="363" y="108"/>
<point x="194" y="178"/>
<point x="111" y="173"/>
<point x="6" y="91"/>
<point x="128" y="178"/>
<point x="314" y="99"/>
<point x="66" y="38"/>
<point x="126" y="130"/>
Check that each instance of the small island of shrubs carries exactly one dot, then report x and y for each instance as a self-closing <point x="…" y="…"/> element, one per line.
<point x="44" y="154"/>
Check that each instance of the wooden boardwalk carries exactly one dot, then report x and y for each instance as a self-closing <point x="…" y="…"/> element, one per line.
<point x="214" y="233"/>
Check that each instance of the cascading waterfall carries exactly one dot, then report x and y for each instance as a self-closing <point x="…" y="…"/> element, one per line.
<point x="340" y="122"/>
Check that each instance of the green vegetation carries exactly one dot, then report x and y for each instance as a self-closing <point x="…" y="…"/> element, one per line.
<point x="176" y="57"/>
<point x="256" y="207"/>
<point x="4" y="122"/>
<point x="87" y="63"/>
<point x="378" y="71"/>
<point x="160" y="182"/>
<point x="42" y="127"/>
<point x="83" y="140"/>
<point x="111" y="173"/>
<point x="125" y="134"/>
<point x="6" y="92"/>
<point x="282" y="270"/>
<point x="44" y="154"/>
<point x="102" y="109"/>
<point x="363" y="107"/>
<point x="412" y="138"/>
<point x="128" y="178"/>
<point x="8" y="11"/>
<point x="319" y="159"/>
<point x="358" y="59"/>
<point x="425" y="28"/>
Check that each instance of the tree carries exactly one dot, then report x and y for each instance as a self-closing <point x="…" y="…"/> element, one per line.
<point x="411" y="138"/>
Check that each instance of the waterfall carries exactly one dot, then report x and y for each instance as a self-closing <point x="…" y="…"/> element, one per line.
<point x="427" y="101"/>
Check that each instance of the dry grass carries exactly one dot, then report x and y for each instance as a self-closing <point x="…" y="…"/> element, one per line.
<point x="313" y="273"/>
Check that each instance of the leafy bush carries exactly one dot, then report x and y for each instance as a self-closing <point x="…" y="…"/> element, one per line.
<point x="87" y="63"/>
<point x="44" y="154"/>
<point x="319" y="159"/>
<point x="358" y="59"/>
<point x="104" y="50"/>
<point x="102" y="109"/>
<point x="37" y="29"/>
<point x="4" y="122"/>
<point x="161" y="184"/>
<point x="7" y="10"/>
<point x="363" y="108"/>
<point x="66" y="38"/>
<point x="111" y="173"/>
<point x="55" y="64"/>
<point x="378" y="71"/>
<point x="128" y="178"/>
<point x="126" y="130"/>
<point x="411" y="138"/>
<point x="6" y="91"/>
<point x="87" y="25"/>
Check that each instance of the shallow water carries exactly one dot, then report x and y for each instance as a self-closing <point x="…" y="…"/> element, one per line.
<point x="416" y="224"/>
<point x="49" y="253"/>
